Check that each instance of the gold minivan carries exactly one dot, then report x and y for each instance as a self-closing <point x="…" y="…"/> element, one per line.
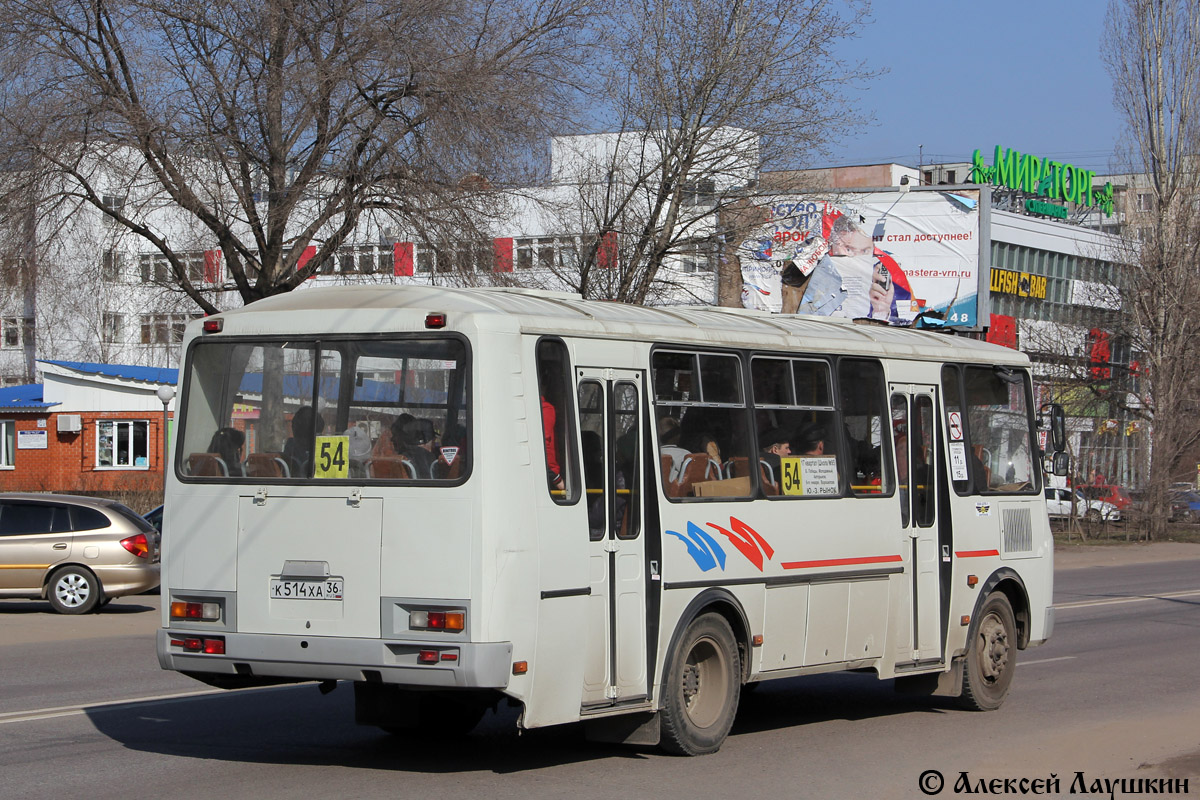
<point x="76" y="552"/>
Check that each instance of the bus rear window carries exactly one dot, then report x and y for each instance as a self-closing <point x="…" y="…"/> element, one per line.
<point x="378" y="410"/>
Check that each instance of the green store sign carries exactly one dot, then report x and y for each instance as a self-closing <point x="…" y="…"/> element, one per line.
<point x="1043" y="177"/>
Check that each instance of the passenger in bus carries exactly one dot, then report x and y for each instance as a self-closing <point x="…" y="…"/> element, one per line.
<point x="550" y="441"/>
<point x="298" y="450"/>
<point x="810" y="440"/>
<point x="227" y="444"/>
<point x="668" y="445"/>
<point x="420" y="450"/>
<point x="774" y="445"/>
<point x="391" y="439"/>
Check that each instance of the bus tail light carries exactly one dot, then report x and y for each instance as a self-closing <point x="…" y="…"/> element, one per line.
<point x="195" y="644"/>
<point x="195" y="611"/>
<point x="454" y="620"/>
<point x="427" y="656"/>
<point x="214" y="325"/>
<point x="435" y="321"/>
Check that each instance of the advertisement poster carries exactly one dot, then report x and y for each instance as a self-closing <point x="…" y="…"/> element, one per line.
<point x="887" y="256"/>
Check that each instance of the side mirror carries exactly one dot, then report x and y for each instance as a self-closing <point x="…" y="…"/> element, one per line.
<point x="1058" y="430"/>
<point x="1062" y="464"/>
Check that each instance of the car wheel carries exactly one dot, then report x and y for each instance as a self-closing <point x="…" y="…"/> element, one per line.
<point x="1092" y="515"/>
<point x="991" y="656"/>
<point x="703" y="680"/>
<point x="74" y="590"/>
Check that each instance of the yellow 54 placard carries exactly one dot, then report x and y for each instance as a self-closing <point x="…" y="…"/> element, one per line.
<point x="332" y="456"/>
<point x="809" y="476"/>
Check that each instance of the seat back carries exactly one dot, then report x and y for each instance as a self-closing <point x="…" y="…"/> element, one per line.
<point x="697" y="467"/>
<point x="446" y="470"/>
<point x="391" y="467"/>
<point x="766" y="473"/>
<point x="267" y="465"/>
<point x="207" y="465"/>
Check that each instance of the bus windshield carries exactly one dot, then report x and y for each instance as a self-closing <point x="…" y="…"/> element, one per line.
<point x="307" y="410"/>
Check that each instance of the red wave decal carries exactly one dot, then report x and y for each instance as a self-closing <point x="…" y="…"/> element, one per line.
<point x="746" y="540"/>
<point x="744" y="545"/>
<point x="744" y="529"/>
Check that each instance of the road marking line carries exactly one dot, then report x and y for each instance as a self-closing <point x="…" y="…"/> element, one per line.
<point x="68" y="711"/>
<point x="1111" y="601"/>
<point x="1046" y="660"/>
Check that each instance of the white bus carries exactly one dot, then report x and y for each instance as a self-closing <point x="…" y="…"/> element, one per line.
<point x="600" y="512"/>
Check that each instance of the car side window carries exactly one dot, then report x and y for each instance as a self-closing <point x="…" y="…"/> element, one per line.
<point x="23" y="518"/>
<point x="88" y="519"/>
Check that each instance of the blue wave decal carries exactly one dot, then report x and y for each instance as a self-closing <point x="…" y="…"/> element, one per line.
<point x="701" y="547"/>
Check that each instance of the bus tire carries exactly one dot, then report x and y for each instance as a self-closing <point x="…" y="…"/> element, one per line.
<point x="991" y="655"/>
<point x="703" y="682"/>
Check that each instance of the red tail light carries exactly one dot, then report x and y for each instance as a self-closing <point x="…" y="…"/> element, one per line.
<point x="138" y="545"/>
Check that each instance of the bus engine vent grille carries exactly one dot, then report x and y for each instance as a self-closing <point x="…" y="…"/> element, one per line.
<point x="1018" y="530"/>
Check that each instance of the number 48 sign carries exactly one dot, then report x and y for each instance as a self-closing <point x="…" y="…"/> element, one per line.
<point x="332" y="457"/>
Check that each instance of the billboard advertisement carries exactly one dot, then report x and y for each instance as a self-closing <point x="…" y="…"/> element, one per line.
<point x="886" y="256"/>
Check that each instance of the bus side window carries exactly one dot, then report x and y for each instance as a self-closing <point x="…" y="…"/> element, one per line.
<point x="704" y="392"/>
<point x="795" y="418"/>
<point x="554" y="380"/>
<point x="865" y="420"/>
<point x="1001" y="437"/>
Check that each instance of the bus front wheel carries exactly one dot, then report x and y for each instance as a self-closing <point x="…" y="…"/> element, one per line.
<point x="991" y="656"/>
<point x="702" y="685"/>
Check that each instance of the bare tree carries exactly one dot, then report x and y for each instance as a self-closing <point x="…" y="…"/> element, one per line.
<point x="273" y="126"/>
<point x="704" y="94"/>
<point x="1152" y="51"/>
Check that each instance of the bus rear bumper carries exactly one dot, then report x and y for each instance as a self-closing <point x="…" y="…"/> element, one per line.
<point x="251" y="656"/>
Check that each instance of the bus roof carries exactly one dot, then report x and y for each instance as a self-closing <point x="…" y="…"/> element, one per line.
<point x="373" y="308"/>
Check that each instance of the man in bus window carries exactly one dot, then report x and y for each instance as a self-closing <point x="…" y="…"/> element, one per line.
<point x="420" y="451"/>
<point x="774" y="445"/>
<point x="810" y="440"/>
<point x="668" y="445"/>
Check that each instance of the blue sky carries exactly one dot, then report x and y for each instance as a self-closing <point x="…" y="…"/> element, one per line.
<point x="966" y="74"/>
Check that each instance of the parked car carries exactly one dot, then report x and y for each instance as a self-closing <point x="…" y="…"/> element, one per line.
<point x="1114" y="495"/>
<point x="1185" y="506"/>
<point x="1058" y="504"/>
<point x="76" y="552"/>
<point x="155" y="518"/>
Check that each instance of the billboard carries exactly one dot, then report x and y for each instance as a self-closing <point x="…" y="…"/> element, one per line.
<point x="887" y="256"/>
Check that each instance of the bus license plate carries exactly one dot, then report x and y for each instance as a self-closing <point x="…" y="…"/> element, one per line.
<point x="328" y="589"/>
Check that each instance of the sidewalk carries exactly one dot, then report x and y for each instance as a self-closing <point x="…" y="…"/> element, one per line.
<point x="1076" y="556"/>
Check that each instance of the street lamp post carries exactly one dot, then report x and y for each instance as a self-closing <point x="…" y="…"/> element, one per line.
<point x="165" y="394"/>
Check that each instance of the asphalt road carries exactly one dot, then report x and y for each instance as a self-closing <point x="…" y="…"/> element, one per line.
<point x="1112" y="695"/>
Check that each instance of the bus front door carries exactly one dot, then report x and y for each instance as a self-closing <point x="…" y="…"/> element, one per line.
<point x="610" y="422"/>
<point x="915" y="432"/>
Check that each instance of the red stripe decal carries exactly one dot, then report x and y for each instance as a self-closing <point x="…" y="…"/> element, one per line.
<point x="976" y="553"/>
<point x="840" y="562"/>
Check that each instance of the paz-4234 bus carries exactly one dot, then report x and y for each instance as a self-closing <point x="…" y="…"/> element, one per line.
<point x="602" y="513"/>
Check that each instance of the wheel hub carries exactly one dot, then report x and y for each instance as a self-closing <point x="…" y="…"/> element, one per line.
<point x="691" y="681"/>
<point x="995" y="649"/>
<point x="72" y="591"/>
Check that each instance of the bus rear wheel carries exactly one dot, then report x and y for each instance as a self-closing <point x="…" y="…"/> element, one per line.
<point x="702" y="686"/>
<point x="991" y="656"/>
